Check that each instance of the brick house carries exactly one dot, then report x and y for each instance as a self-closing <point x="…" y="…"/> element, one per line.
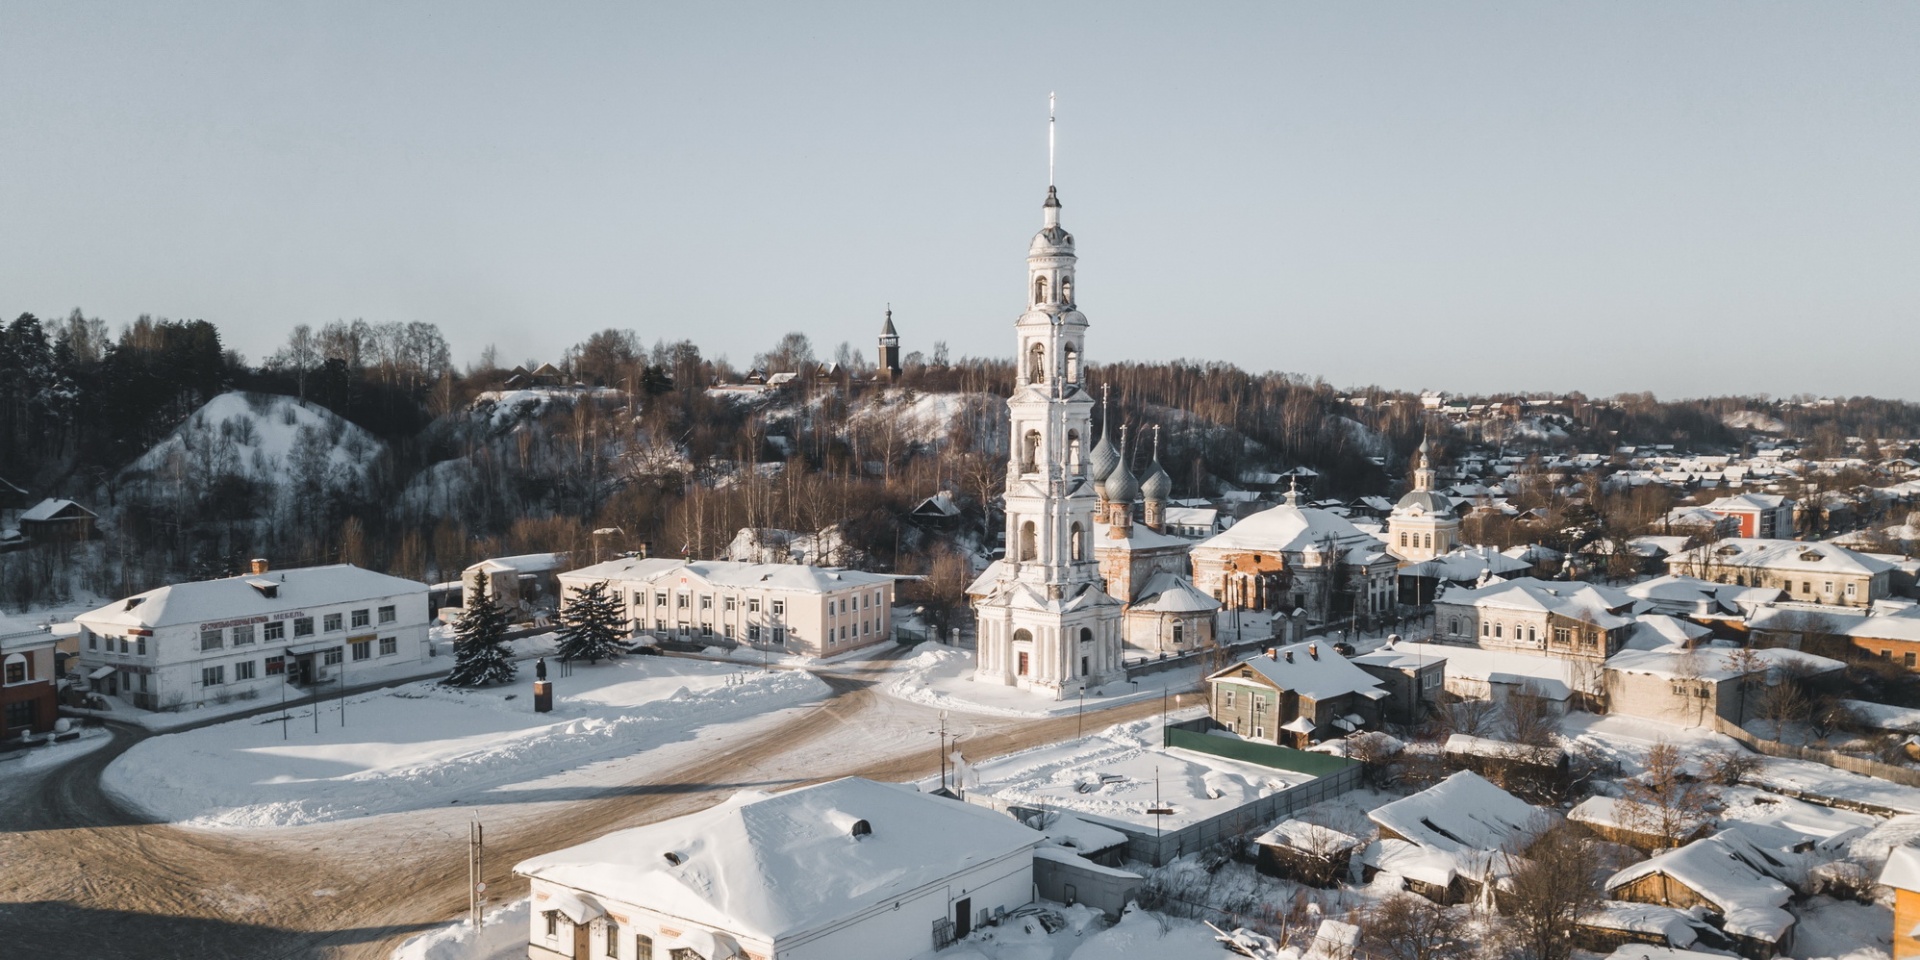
<point x="27" y="695"/>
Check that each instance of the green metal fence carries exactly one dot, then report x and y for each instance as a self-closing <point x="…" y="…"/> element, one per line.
<point x="1192" y="735"/>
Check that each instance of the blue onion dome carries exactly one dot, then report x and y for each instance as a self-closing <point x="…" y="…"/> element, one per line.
<point x="1158" y="485"/>
<point x="1102" y="458"/>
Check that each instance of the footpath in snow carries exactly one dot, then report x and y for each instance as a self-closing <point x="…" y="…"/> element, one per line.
<point x="423" y="745"/>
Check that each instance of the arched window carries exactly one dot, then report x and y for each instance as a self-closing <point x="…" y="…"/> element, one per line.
<point x="1179" y="634"/>
<point x="1429" y="539"/>
<point x="1079" y="543"/>
<point x="1030" y="452"/>
<point x="1037" y="363"/>
<point x="1073" y="364"/>
<point x="1403" y="538"/>
<point x="16" y="668"/>
<point x="1086" y="635"/>
<point x="1066" y="290"/>
<point x="1039" y="290"/>
<point x="1073" y="451"/>
<point x="1027" y="548"/>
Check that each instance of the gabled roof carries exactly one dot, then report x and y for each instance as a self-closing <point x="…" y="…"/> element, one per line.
<point x="1310" y="668"/>
<point x="1794" y="555"/>
<point x="1463" y="825"/>
<point x="776" y="866"/>
<point x="1738" y="870"/>
<point x="249" y="595"/>
<point x="51" y="509"/>
<point x="1573" y="599"/>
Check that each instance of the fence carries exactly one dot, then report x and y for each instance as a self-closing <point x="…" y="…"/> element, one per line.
<point x="1838" y="761"/>
<point x="1192" y="735"/>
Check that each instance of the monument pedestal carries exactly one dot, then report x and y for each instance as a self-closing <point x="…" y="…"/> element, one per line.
<point x="543" y="696"/>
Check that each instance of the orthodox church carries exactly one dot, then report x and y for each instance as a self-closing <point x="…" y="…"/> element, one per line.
<point x="1422" y="525"/>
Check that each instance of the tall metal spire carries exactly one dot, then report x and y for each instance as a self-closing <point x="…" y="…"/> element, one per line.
<point x="1049" y="140"/>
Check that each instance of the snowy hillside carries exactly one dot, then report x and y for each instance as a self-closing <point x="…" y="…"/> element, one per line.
<point x="281" y="442"/>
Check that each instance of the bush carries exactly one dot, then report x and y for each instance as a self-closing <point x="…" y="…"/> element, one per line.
<point x="1728" y="766"/>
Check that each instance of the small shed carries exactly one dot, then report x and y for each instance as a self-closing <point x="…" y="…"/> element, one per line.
<point x="53" y="520"/>
<point x="1308" y="853"/>
<point x="1541" y="772"/>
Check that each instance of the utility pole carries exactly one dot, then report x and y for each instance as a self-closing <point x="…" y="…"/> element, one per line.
<point x="343" y="695"/>
<point x="475" y="886"/>
<point x="943" y="750"/>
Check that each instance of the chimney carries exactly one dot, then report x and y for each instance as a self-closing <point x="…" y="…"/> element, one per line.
<point x="1313" y="650"/>
<point x="1289" y="656"/>
<point x="258" y="565"/>
<point x="1273" y="653"/>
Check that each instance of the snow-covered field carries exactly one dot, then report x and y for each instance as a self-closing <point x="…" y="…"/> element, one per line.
<point x="940" y="676"/>
<point x="1119" y="773"/>
<point x="502" y="936"/>
<point x="424" y="745"/>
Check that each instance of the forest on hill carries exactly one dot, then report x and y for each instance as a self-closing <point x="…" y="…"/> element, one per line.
<point x="364" y="443"/>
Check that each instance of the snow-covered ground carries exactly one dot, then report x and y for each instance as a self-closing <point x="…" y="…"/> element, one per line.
<point x="54" y="754"/>
<point x="1119" y="773"/>
<point x="942" y="676"/>
<point x="424" y="745"/>
<point x="502" y="936"/>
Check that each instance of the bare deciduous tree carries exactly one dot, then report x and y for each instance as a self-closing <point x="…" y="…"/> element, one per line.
<point x="1531" y="717"/>
<point x="1666" y="802"/>
<point x="1548" y="892"/>
<point x="1405" y="926"/>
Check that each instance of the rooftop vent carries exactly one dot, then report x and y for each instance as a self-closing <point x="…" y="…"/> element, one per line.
<point x="267" y="588"/>
<point x="673" y="858"/>
<point x="1313" y="650"/>
<point x="1289" y="656"/>
<point x="861" y="828"/>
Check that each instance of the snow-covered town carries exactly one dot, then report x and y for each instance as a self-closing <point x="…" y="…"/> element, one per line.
<point x="537" y="615"/>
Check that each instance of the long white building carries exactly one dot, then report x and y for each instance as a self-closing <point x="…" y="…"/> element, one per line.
<point x="805" y="610"/>
<point x="184" y="645"/>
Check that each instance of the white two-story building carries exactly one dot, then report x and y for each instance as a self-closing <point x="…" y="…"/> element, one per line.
<point x="188" y="644"/>
<point x="810" y="611"/>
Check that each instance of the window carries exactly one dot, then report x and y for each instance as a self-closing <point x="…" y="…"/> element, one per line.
<point x="1023" y="663"/>
<point x="209" y="639"/>
<point x="330" y="623"/>
<point x="1827" y="588"/>
<point x="1852" y="589"/>
<point x="276" y="666"/>
<point x="1453" y="626"/>
<point x="727" y="628"/>
<point x="780" y="635"/>
<point x="553" y="923"/>
<point x="1530" y="634"/>
<point x="331" y="657"/>
<point x="140" y="645"/>
<point x="17" y="668"/>
<point x="613" y="939"/>
<point x="1906" y="660"/>
<point x="389" y="614"/>
<point x="753" y="605"/>
<point x="706" y="629"/>
<point x="361" y="618"/>
<point x="303" y="626"/>
<point x="1229" y="698"/>
<point x="276" y="630"/>
<point x="659" y="624"/>
<point x="660" y="599"/>
<point x="1589" y="639"/>
<point x="1806" y="586"/>
<point x="1259" y="732"/>
<point x="753" y="631"/>
<point x="642" y="947"/>
<point x="244" y="670"/>
<point x="1562" y="636"/>
<point x="93" y="640"/>
<point x="123" y="644"/>
<point x="779" y="608"/>
<point x="1403" y="538"/>
<point x="213" y="676"/>
<point x="389" y="646"/>
<point x="706" y="601"/>
<point x="732" y="604"/>
<point x="683" y="601"/>
<point x="363" y="649"/>
<point x="241" y="637"/>
<point x="1485" y="628"/>
<point x="1497" y="628"/>
<point x="1179" y="634"/>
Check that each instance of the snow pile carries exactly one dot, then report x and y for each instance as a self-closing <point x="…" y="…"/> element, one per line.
<point x="502" y="936"/>
<point x="1143" y="934"/>
<point x="942" y="677"/>
<point x="424" y="745"/>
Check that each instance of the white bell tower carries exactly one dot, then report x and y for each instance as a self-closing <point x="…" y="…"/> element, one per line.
<point x="1048" y="623"/>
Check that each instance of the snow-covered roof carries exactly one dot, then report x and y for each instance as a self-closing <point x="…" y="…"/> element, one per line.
<point x="1671" y="924"/>
<point x="523" y="563"/>
<point x="1552" y="677"/>
<point x="773" y="866"/>
<point x="1311" y="669"/>
<point x="1652" y="631"/>
<point x="1796" y="555"/>
<point x="1572" y="599"/>
<point x="1140" y="537"/>
<point x="1461" y="824"/>
<point x="1902" y="869"/>
<point x="1068" y="830"/>
<point x="1466" y="564"/>
<point x="50" y="509"/>
<point x="1166" y="592"/>
<point x="1289" y="529"/>
<point x="249" y="595"/>
<point x="1693" y="596"/>
<point x="771" y="576"/>
<point x="1619" y="813"/>
<point x="1461" y="743"/>
<point x="1738" y="870"/>
<point x="1646" y="951"/>
<point x="1311" y="837"/>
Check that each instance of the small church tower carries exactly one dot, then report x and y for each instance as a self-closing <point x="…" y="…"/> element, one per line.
<point x="1422" y="525"/>
<point x="889" y="348"/>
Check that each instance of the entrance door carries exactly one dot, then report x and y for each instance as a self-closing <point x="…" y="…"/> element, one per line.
<point x="581" y="950"/>
<point x="962" y="917"/>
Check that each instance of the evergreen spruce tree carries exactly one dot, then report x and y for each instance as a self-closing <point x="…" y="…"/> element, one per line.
<point x="591" y="625"/>
<point x="478" y="657"/>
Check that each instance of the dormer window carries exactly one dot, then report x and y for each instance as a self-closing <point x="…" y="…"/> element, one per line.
<point x="267" y="588"/>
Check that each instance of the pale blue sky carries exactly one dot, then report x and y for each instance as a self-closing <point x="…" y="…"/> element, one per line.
<point x="1689" y="198"/>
